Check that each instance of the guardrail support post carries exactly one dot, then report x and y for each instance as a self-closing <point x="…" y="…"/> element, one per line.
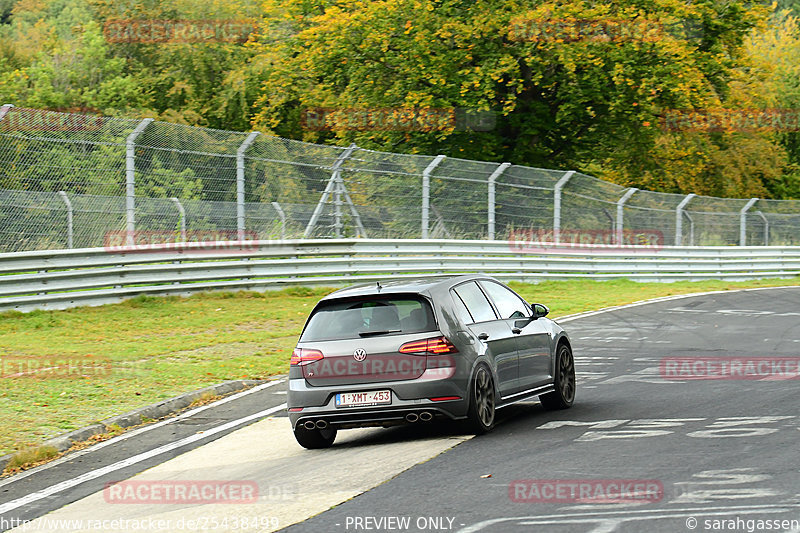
<point x="679" y="218"/>
<point x="282" y="216"/>
<point x="491" y="200"/>
<point x="65" y="198"/>
<point x="620" y="213"/>
<point x="426" y="193"/>
<point x="130" y="179"/>
<point x="240" y="182"/>
<point x="182" y="217"/>
<point x="557" y="205"/>
<point x="766" y="227"/>
<point x="743" y="221"/>
<point x="331" y="187"/>
<point x="5" y="109"/>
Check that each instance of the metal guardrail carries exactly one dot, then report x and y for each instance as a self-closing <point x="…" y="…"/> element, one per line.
<point x="58" y="279"/>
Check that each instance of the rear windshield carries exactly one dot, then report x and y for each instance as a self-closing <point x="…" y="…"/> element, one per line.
<point x="369" y="317"/>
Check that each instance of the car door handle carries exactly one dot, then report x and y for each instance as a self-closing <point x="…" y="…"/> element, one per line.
<point x="483" y="336"/>
<point x="516" y="331"/>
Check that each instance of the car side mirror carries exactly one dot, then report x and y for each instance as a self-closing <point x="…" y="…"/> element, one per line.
<point x="539" y="311"/>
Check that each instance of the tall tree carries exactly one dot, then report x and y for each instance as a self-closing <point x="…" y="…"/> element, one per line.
<point x="573" y="85"/>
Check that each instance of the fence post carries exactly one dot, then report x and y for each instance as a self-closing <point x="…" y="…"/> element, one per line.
<point x="491" y="200"/>
<point x="557" y="205"/>
<point x="766" y="227"/>
<point x="361" y="232"/>
<point x="621" y="214"/>
<point x="282" y="216"/>
<point x="337" y="205"/>
<point x="332" y="187"/>
<point x="743" y="221"/>
<point x="691" y="228"/>
<point x="679" y="219"/>
<point x="182" y="217"/>
<point x="65" y="198"/>
<point x="130" y="178"/>
<point x="610" y="219"/>
<point x="5" y="109"/>
<point x="240" y="182"/>
<point x="426" y="193"/>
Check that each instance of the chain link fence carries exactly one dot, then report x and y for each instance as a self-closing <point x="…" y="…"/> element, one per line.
<point x="71" y="180"/>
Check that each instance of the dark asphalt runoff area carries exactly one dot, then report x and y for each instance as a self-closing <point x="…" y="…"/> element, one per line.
<point x="641" y="450"/>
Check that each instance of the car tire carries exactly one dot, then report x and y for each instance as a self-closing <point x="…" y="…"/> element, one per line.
<point x="314" y="439"/>
<point x="481" y="412"/>
<point x="564" y="381"/>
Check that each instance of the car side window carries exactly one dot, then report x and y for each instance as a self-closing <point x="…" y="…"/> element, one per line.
<point x="475" y="301"/>
<point x="461" y="310"/>
<point x="508" y="303"/>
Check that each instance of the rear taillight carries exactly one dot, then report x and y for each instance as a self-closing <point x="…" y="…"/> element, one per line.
<point x="442" y="399"/>
<point x="432" y="346"/>
<point x="304" y="356"/>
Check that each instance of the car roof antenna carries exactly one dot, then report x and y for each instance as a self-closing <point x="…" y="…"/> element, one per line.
<point x="379" y="286"/>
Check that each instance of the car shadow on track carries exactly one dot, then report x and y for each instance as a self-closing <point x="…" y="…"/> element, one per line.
<point x="518" y="417"/>
<point x="418" y="431"/>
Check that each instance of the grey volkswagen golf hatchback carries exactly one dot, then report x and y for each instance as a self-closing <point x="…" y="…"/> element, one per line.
<point x="413" y="351"/>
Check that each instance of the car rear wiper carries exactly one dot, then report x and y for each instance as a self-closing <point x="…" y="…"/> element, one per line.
<point x="377" y="332"/>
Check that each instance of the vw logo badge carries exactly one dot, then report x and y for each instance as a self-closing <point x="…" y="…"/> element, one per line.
<point x="360" y="354"/>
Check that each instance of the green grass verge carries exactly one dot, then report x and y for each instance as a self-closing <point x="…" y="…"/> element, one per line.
<point x="157" y="348"/>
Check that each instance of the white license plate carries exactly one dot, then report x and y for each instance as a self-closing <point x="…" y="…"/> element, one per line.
<point x="358" y="399"/>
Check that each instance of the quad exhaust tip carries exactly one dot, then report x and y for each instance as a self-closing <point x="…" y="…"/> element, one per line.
<point x="309" y="424"/>
<point x="425" y="416"/>
<point x="412" y="417"/>
<point x="321" y="424"/>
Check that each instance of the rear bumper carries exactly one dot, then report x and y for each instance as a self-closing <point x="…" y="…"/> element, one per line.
<point x="408" y="397"/>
